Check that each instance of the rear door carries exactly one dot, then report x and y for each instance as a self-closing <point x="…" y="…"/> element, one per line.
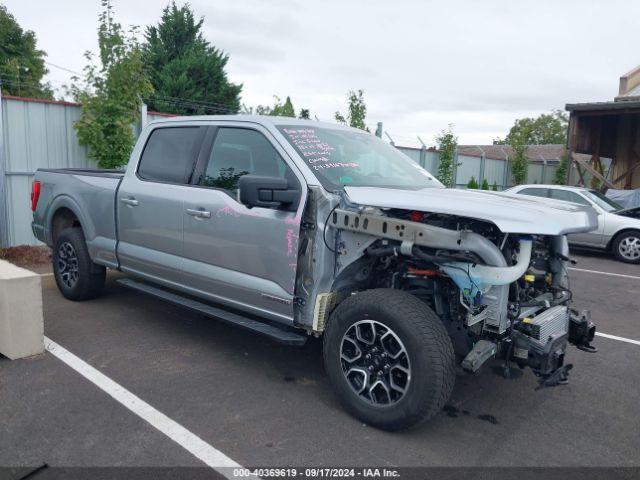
<point x="150" y="204"/>
<point x="243" y="257"/>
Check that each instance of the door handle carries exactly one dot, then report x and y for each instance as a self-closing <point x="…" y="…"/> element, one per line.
<point x="198" y="213"/>
<point x="132" y="202"/>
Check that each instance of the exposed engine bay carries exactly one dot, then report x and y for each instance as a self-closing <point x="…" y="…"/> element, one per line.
<point x="499" y="295"/>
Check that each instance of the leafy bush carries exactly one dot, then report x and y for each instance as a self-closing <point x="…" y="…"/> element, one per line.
<point x="447" y="144"/>
<point x="110" y="96"/>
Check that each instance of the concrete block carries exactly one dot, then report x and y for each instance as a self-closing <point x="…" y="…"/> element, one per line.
<point x="21" y="320"/>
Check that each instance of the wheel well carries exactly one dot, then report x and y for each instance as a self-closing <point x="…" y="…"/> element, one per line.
<point x="626" y="230"/>
<point x="63" y="218"/>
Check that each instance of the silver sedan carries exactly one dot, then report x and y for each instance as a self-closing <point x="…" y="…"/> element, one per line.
<point x="618" y="229"/>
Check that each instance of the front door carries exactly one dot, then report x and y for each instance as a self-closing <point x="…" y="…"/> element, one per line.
<point x="243" y="257"/>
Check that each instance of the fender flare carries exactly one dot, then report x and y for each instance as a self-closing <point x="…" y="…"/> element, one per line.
<point x="65" y="201"/>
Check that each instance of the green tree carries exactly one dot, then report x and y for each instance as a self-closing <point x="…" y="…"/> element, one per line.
<point x="187" y="73"/>
<point x="494" y="187"/>
<point x="560" y="176"/>
<point x="485" y="184"/>
<point x="357" y="111"/>
<point x="305" y="114"/>
<point x="519" y="162"/>
<point x="21" y="62"/>
<point x="283" y="110"/>
<point x="278" y="109"/>
<point x="546" y="129"/>
<point x="447" y="145"/>
<point x="473" y="184"/>
<point x="111" y="93"/>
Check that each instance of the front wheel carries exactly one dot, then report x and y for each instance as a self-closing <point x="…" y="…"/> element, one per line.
<point x="77" y="277"/>
<point x="389" y="358"/>
<point x="626" y="246"/>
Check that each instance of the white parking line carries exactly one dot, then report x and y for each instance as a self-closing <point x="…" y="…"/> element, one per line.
<point x="620" y="339"/>
<point x="46" y="274"/>
<point x="605" y="273"/>
<point x="176" y="432"/>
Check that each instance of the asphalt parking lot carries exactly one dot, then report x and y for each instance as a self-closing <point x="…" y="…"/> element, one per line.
<point x="262" y="404"/>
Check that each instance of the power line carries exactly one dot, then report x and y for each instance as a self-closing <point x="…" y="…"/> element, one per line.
<point x="210" y="107"/>
<point x="189" y="100"/>
<point x="20" y="84"/>
<point x="214" y="107"/>
<point x="195" y="106"/>
<point x="63" y="68"/>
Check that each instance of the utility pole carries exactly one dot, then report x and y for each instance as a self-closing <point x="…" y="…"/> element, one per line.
<point x="423" y="153"/>
<point x="4" y="225"/>
<point x="143" y="116"/>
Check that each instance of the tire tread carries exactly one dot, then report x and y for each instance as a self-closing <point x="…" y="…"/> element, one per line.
<point x="91" y="277"/>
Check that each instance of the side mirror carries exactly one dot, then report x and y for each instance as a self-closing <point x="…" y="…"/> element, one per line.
<point x="267" y="192"/>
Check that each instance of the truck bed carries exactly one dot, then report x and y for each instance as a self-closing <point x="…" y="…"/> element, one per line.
<point x="93" y="172"/>
<point x="88" y="194"/>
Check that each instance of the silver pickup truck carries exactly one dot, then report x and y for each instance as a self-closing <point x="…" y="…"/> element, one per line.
<point x="291" y="228"/>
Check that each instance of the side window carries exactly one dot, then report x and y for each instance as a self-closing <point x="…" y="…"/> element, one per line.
<point x="241" y="151"/>
<point x="536" y="192"/>
<point x="170" y="154"/>
<point x="567" y="196"/>
<point x="575" y="198"/>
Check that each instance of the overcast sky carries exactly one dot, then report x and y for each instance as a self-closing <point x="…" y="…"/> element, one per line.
<point x="422" y="64"/>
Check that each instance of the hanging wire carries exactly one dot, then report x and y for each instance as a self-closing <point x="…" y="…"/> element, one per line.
<point x="62" y="68"/>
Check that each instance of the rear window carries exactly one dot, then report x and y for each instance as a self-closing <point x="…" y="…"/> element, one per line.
<point x="170" y="154"/>
<point x="567" y="196"/>
<point x="534" y="192"/>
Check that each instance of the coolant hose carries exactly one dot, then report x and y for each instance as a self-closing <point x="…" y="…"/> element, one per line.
<point x="490" y="275"/>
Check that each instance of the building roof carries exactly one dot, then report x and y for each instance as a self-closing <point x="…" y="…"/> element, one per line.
<point x="634" y="93"/>
<point x="627" y="100"/>
<point x="628" y="106"/>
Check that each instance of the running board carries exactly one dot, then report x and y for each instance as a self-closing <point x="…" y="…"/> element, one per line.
<point x="280" y="335"/>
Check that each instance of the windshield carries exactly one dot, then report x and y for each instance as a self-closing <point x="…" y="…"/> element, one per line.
<point x="348" y="158"/>
<point x="602" y="201"/>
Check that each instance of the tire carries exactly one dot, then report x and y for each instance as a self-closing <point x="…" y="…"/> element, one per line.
<point x="428" y="350"/>
<point x="77" y="277"/>
<point x="626" y="246"/>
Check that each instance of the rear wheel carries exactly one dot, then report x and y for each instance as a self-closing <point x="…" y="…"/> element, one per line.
<point x="77" y="277"/>
<point x="626" y="246"/>
<point x="389" y="358"/>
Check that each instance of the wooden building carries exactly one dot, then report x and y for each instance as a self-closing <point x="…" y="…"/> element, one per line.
<point x="604" y="139"/>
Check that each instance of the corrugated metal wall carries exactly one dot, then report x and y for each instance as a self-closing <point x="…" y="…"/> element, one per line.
<point x="35" y="134"/>
<point x="472" y="166"/>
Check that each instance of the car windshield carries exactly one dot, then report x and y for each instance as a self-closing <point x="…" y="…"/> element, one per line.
<point x="340" y="158"/>
<point x="602" y="201"/>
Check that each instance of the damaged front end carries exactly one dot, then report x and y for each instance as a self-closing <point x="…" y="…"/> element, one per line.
<point x="500" y="295"/>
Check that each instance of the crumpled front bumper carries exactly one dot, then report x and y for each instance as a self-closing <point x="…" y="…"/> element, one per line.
<point x="546" y="358"/>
